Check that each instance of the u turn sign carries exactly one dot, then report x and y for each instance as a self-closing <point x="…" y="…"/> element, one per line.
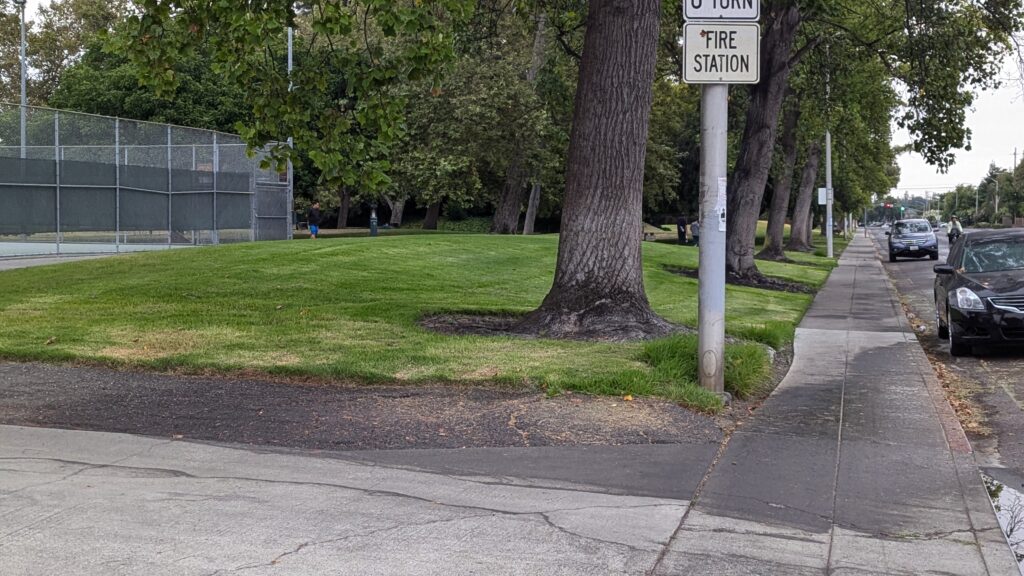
<point x="748" y="10"/>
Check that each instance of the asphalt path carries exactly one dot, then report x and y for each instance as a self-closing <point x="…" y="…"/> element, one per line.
<point x="996" y="373"/>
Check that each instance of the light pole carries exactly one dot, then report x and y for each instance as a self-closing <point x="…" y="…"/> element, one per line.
<point x="291" y="143"/>
<point x="24" y="68"/>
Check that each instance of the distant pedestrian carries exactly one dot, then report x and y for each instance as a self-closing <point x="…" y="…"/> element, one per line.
<point x="695" y="232"/>
<point x="681" y="229"/>
<point x="314" y="220"/>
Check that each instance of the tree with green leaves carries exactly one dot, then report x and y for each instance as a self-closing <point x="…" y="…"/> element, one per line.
<point x="931" y="49"/>
<point x="10" y="40"/>
<point x="104" y="83"/>
<point x="342" y="103"/>
<point x="63" y="32"/>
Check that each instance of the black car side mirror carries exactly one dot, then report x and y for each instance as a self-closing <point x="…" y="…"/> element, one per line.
<point x="943" y="269"/>
<point x="888" y="233"/>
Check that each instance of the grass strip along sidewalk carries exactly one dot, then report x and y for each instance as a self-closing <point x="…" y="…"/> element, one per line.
<point x="349" y="309"/>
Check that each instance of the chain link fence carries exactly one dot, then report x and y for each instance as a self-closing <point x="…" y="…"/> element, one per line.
<point x="79" y="183"/>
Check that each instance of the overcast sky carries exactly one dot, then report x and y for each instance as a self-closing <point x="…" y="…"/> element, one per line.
<point x="997" y="123"/>
<point x="997" y="126"/>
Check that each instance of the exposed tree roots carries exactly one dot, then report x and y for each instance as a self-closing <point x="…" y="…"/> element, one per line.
<point x="603" y="322"/>
<point x="752" y="281"/>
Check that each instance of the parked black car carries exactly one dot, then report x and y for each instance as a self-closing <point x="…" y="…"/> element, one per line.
<point x="979" y="292"/>
<point x="913" y="238"/>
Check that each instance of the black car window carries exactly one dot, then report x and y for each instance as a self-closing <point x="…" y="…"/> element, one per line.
<point x="994" y="256"/>
<point x="913" y="227"/>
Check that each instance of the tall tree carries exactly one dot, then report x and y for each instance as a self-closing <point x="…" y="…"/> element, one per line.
<point x="598" y="289"/>
<point x="800" y="230"/>
<point x="750" y="176"/>
<point x="62" y="34"/>
<point x="938" y="52"/>
<point x="773" y="249"/>
<point x="10" y="40"/>
<point x="510" y="202"/>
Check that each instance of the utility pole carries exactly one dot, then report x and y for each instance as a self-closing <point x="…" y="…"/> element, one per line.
<point x="977" y="194"/>
<point x="828" y="192"/>
<point x="829" y="195"/>
<point x="24" y="74"/>
<point x="291" y="147"/>
<point x="711" y="296"/>
<point x="995" y="212"/>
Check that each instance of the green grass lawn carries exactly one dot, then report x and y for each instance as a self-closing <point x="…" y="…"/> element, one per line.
<point x="348" y="309"/>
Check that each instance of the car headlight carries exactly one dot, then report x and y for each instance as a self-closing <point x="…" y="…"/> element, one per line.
<point x="968" y="300"/>
<point x="931" y="242"/>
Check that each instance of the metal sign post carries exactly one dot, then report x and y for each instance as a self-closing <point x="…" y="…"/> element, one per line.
<point x="716" y="54"/>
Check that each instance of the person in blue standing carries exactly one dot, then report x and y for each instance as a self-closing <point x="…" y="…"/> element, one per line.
<point x="314" y="220"/>
<point x="681" y="229"/>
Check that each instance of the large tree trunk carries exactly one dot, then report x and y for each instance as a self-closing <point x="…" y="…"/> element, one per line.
<point x="346" y="205"/>
<point x="800" y="231"/>
<point x="397" y="206"/>
<point x="510" y="205"/>
<point x="433" y="213"/>
<point x="780" y="199"/>
<point x="531" y="209"/>
<point x="598" y="290"/>
<point x="755" y="156"/>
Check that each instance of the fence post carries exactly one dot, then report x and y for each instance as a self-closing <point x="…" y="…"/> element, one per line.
<point x="117" y="185"/>
<point x="170" y="191"/>
<point x="291" y="197"/>
<point x="215" y="236"/>
<point x="56" y="164"/>
<point x="252" y="199"/>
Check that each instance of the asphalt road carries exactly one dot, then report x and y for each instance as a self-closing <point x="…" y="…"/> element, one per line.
<point x="995" y="373"/>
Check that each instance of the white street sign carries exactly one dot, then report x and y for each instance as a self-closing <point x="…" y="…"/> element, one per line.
<point x="822" y="196"/>
<point x="727" y="53"/>
<point x="749" y="10"/>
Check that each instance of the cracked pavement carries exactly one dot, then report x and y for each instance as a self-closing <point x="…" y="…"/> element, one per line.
<point x="101" y="503"/>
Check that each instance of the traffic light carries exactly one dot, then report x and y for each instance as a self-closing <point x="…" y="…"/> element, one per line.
<point x="903" y="209"/>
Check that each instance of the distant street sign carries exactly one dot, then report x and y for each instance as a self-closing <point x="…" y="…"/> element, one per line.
<point x="726" y="53"/>
<point x="749" y="10"/>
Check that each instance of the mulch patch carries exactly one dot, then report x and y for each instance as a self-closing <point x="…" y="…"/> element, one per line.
<point x="763" y="282"/>
<point x="321" y="416"/>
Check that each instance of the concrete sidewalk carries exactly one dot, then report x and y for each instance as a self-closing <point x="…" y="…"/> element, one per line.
<point x="75" y="502"/>
<point x="31" y="262"/>
<point x="856" y="465"/>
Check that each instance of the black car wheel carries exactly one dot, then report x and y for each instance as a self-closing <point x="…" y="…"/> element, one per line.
<point x="957" y="346"/>
<point x="934" y="256"/>
<point x="892" y="257"/>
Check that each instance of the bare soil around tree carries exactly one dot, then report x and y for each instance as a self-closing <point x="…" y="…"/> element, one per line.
<point x="331" y="416"/>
